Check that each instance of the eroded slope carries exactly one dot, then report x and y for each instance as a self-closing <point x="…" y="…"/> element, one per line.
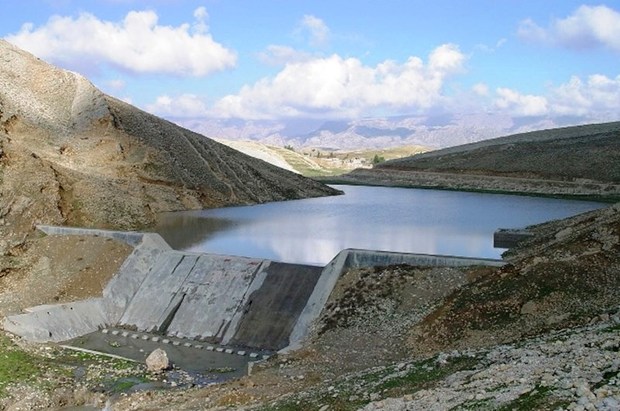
<point x="96" y="161"/>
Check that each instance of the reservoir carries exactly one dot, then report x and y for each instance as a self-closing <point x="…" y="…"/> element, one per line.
<point x="313" y="231"/>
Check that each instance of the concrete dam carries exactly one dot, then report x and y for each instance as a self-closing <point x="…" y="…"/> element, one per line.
<point x="225" y="303"/>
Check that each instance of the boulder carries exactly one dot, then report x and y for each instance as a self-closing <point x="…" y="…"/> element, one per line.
<point x="157" y="361"/>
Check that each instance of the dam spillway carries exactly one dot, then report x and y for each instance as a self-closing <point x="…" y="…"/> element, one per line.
<point x="228" y="301"/>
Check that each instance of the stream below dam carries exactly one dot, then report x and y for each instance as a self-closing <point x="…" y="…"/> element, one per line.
<point x="313" y="231"/>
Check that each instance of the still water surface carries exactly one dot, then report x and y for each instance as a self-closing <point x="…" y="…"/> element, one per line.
<point x="313" y="231"/>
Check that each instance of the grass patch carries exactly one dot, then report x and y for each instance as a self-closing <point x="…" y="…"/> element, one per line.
<point x="612" y="329"/>
<point x="387" y="382"/>
<point x="540" y="398"/>
<point x="16" y="365"/>
<point x="84" y="359"/>
<point x="121" y="385"/>
<point x="425" y="374"/>
<point x="478" y="405"/>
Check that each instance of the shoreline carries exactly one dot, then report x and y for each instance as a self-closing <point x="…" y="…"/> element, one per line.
<point x="608" y="193"/>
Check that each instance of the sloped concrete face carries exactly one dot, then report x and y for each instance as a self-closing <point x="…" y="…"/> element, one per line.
<point x="58" y="322"/>
<point x="225" y="300"/>
<point x="240" y="301"/>
<point x="148" y="307"/>
<point x="125" y="284"/>
<point x="271" y="311"/>
<point x="191" y="295"/>
<point x="214" y="292"/>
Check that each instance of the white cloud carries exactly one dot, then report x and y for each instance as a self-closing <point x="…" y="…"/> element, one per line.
<point x="596" y="97"/>
<point x="336" y="86"/>
<point x="491" y="49"/>
<point x="185" y="105"/>
<point x="136" y="44"/>
<point x="317" y="30"/>
<point x="587" y="27"/>
<point x="277" y="55"/>
<point x="520" y="104"/>
<point x="201" y="16"/>
<point x="446" y="58"/>
<point x="480" y="89"/>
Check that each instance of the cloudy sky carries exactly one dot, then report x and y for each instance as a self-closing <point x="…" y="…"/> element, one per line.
<point x="271" y="59"/>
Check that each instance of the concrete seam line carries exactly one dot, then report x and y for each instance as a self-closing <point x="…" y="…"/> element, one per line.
<point x="85" y="350"/>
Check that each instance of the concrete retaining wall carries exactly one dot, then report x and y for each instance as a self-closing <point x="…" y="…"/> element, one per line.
<point x="354" y="258"/>
<point x="271" y="311"/>
<point x="57" y="323"/>
<point x="130" y="237"/>
<point x="244" y="302"/>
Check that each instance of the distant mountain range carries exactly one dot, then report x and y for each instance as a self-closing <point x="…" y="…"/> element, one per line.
<point x="433" y="131"/>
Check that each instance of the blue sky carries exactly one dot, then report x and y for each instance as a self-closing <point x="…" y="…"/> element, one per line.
<point x="275" y="59"/>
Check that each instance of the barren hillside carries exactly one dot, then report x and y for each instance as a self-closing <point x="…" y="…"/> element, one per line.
<point x="70" y="154"/>
<point x="582" y="160"/>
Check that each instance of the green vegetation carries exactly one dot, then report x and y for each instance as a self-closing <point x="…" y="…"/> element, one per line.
<point x="477" y="405"/>
<point x="80" y="358"/>
<point x="16" y="365"/>
<point x="424" y="374"/>
<point x="59" y="367"/>
<point x="540" y="398"/>
<point x="124" y="384"/>
<point x="377" y="159"/>
<point x="613" y="329"/>
<point x="387" y="382"/>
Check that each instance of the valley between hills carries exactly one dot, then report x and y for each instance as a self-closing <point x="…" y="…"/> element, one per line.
<point x="542" y="332"/>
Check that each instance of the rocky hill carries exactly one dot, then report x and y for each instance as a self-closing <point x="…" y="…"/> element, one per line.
<point x="580" y="152"/>
<point x="581" y="161"/>
<point x="70" y="154"/>
<point x="315" y="162"/>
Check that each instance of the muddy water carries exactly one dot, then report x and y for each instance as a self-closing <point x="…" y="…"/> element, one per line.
<point x="313" y="231"/>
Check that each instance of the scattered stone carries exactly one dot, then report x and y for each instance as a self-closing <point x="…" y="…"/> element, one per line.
<point x="528" y="308"/>
<point x="157" y="361"/>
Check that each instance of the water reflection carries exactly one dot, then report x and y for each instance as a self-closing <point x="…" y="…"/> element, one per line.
<point x="187" y="229"/>
<point x="313" y="231"/>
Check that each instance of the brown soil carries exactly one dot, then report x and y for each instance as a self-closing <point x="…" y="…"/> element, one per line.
<point x="58" y="269"/>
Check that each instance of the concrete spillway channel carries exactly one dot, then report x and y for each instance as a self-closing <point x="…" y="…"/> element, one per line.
<point x="206" y="309"/>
